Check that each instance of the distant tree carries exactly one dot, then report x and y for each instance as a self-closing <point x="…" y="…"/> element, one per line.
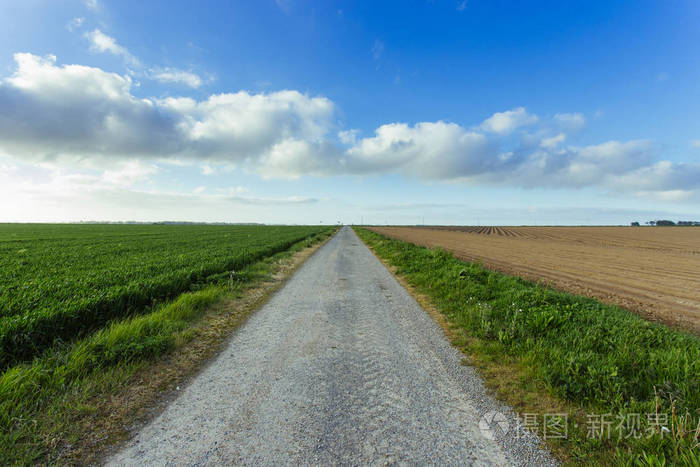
<point x="650" y="223"/>
<point x="634" y="224"/>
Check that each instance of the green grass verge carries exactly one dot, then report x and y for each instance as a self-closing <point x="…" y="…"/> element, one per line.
<point x="41" y="401"/>
<point x="62" y="282"/>
<point x="633" y="387"/>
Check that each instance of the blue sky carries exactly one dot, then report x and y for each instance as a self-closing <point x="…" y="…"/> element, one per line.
<point x="443" y="112"/>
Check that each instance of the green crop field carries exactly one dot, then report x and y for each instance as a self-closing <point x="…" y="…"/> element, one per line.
<point x="58" y="282"/>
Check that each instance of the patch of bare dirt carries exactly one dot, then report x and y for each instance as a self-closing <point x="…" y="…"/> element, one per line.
<point x="654" y="271"/>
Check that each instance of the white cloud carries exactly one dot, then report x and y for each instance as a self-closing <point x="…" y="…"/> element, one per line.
<point x="506" y="122"/>
<point x="446" y="151"/>
<point x="431" y="150"/>
<point x="660" y="177"/>
<point x="74" y="112"/>
<point x="348" y="136"/>
<point x="78" y="112"/>
<point x="199" y="189"/>
<point x="594" y="164"/>
<point x="293" y="158"/>
<point x="173" y="75"/>
<point x="252" y="128"/>
<point x="91" y="4"/>
<point x="102" y="43"/>
<point x="553" y="141"/>
<point x="80" y="116"/>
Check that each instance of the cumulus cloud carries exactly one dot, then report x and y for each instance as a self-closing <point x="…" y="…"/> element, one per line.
<point x="447" y="151"/>
<point x="506" y="122"/>
<point x="663" y="176"/>
<point x="75" y="111"/>
<point x="552" y="141"/>
<point x="73" y="114"/>
<point x="592" y="165"/>
<point x="348" y="136"/>
<point x="432" y="150"/>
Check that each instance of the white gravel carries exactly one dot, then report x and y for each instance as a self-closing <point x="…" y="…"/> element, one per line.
<point x="341" y="366"/>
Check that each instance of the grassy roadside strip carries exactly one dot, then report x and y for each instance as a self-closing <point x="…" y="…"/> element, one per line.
<point x="58" y="291"/>
<point x="630" y="388"/>
<point x="68" y="405"/>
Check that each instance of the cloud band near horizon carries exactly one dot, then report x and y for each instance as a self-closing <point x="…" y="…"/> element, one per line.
<point x="74" y="115"/>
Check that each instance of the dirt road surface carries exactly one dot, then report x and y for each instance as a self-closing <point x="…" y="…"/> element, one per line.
<point x="340" y="366"/>
<point x="654" y="271"/>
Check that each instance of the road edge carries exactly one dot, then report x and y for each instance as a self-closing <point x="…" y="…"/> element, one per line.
<point x="454" y="337"/>
<point x="157" y="383"/>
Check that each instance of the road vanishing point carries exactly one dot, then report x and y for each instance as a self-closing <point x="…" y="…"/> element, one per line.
<point x="340" y="366"/>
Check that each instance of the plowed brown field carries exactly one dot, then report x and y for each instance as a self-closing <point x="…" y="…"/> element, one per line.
<point x="654" y="271"/>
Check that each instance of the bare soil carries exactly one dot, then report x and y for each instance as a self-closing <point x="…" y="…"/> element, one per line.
<point x="654" y="271"/>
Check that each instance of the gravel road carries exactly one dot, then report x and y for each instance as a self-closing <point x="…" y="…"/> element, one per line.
<point x="341" y="366"/>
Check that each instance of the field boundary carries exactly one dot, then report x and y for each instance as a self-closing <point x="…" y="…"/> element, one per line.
<point x="652" y="272"/>
<point x="89" y="418"/>
<point x="511" y="348"/>
<point x="502" y="379"/>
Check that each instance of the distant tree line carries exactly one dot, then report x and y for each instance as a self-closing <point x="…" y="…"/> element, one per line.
<point x="664" y="222"/>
